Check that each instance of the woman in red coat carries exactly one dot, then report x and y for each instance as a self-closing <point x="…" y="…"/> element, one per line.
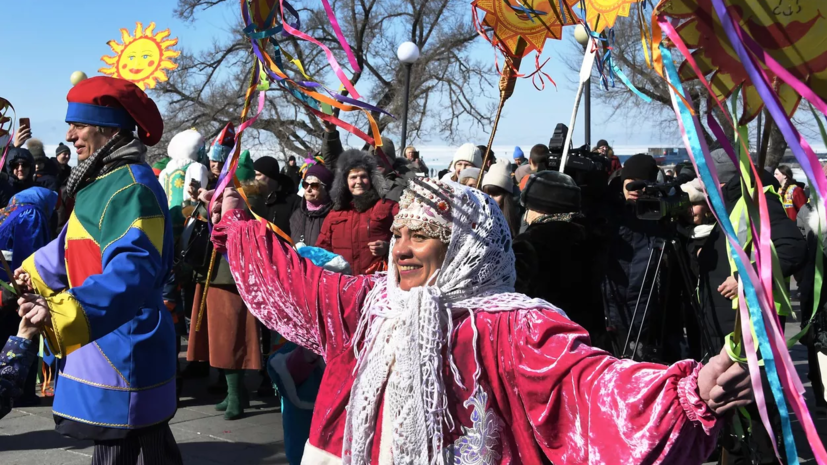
<point x="439" y="361"/>
<point x="359" y="227"/>
<point x="792" y="196"/>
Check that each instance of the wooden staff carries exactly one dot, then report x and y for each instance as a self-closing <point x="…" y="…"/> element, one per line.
<point x="508" y="79"/>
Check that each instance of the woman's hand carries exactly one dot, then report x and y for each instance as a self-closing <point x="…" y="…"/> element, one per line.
<point x="379" y="248"/>
<point x="34" y="308"/>
<point x="23" y="279"/>
<point x="729" y="288"/>
<point x="228" y="200"/>
<point x="724" y="384"/>
<point x="27" y="330"/>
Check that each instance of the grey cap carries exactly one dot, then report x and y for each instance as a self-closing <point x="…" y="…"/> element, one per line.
<point x="723" y="165"/>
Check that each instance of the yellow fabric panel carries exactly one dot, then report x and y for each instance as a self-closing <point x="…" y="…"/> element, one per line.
<point x="70" y="328"/>
<point x="153" y="227"/>
<point x="75" y="230"/>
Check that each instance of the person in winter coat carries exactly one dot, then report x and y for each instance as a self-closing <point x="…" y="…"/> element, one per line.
<point x="553" y="255"/>
<point x="792" y="196"/>
<point x="306" y="221"/>
<point x="467" y="155"/>
<point x="718" y="287"/>
<point x="20" y="167"/>
<point x="629" y="257"/>
<point x="291" y="170"/>
<point x="497" y="183"/>
<point x="359" y="227"/>
<point x="278" y="194"/>
<point x="62" y="156"/>
<point x="45" y="171"/>
<point x="184" y="150"/>
<point x="418" y="164"/>
<point x="18" y="356"/>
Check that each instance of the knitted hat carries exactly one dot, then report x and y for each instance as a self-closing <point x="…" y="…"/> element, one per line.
<point x="185" y="145"/>
<point x="115" y="103"/>
<point x="694" y="190"/>
<point x="246" y="170"/>
<point x="640" y="166"/>
<point x="62" y="148"/>
<point x="470" y="153"/>
<point x="469" y="173"/>
<point x="723" y="165"/>
<point x="499" y="175"/>
<point x="320" y="172"/>
<point x="221" y="146"/>
<point x="267" y="166"/>
<point x="388" y="148"/>
<point x="518" y="154"/>
<point x="159" y="166"/>
<point x="602" y="143"/>
<point x="551" y="192"/>
<point x="35" y="147"/>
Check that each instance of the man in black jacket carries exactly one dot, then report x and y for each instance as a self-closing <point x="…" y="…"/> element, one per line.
<point x="718" y="286"/>
<point x="291" y="170"/>
<point x="280" y="199"/>
<point x="554" y="259"/>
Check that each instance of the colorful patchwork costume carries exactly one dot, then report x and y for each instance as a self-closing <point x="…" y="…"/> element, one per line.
<point x="103" y="278"/>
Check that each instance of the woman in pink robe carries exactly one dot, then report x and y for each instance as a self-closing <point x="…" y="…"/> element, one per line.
<point x="439" y="361"/>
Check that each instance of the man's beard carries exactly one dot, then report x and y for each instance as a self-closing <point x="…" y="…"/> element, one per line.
<point x="364" y="202"/>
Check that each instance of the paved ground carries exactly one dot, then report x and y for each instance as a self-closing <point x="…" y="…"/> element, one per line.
<point x="27" y="436"/>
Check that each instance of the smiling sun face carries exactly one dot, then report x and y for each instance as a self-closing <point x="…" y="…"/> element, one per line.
<point x="142" y="59"/>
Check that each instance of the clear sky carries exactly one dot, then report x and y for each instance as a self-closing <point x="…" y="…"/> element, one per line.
<point x="46" y="40"/>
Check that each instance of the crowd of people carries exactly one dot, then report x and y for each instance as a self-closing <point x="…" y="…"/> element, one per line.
<point x="498" y="312"/>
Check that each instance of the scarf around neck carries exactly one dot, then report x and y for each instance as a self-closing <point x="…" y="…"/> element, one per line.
<point x="404" y="335"/>
<point x="123" y="147"/>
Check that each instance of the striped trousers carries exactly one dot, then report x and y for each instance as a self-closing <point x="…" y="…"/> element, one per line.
<point x="156" y="447"/>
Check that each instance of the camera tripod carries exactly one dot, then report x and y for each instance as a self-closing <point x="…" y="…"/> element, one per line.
<point x="674" y="250"/>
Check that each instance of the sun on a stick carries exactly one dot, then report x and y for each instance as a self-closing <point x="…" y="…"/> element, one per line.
<point x="142" y="58"/>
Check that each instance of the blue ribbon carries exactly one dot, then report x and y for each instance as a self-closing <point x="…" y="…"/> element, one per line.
<point x="753" y="306"/>
<point x="627" y="82"/>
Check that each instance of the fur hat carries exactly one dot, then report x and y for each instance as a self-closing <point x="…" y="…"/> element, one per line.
<point x="35" y="147"/>
<point x="185" y="145"/>
<point x="551" y="192"/>
<point x="348" y="161"/>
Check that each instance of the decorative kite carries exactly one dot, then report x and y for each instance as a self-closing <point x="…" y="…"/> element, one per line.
<point x="792" y="33"/>
<point x="601" y="14"/>
<point x="142" y="58"/>
<point x="533" y="22"/>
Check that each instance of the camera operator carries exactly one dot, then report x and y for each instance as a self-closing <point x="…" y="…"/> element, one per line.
<point x="554" y="256"/>
<point x="631" y="269"/>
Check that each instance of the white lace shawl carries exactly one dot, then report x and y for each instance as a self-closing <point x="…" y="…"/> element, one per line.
<point x="405" y="332"/>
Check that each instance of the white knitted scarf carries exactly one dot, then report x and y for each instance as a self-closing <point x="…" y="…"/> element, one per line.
<point x="405" y="333"/>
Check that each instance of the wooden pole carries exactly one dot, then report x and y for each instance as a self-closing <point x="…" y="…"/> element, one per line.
<point x="508" y="79"/>
<point x="765" y="142"/>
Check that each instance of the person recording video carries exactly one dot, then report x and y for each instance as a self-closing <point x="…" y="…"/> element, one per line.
<point x="632" y="292"/>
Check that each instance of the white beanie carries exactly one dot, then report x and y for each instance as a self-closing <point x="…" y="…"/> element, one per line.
<point x="499" y="175"/>
<point x="185" y="145"/>
<point x="470" y="153"/>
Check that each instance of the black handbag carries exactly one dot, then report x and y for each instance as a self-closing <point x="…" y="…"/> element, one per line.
<point x="196" y="244"/>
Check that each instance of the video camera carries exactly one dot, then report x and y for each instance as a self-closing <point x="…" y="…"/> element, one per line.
<point x="661" y="200"/>
<point x="589" y="170"/>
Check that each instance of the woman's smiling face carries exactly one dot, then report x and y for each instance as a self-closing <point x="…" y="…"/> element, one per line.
<point x="416" y="257"/>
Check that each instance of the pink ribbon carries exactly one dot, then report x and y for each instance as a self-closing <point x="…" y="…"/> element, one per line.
<point x="342" y="41"/>
<point x="330" y="58"/>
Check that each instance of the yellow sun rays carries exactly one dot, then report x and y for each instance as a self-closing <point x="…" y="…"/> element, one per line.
<point x="601" y="14"/>
<point x="142" y="58"/>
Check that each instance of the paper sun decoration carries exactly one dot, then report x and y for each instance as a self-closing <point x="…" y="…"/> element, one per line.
<point x="534" y="22"/>
<point x="601" y="14"/>
<point x="790" y="31"/>
<point x="142" y="58"/>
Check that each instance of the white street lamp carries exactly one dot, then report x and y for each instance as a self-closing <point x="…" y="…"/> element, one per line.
<point x="407" y="53"/>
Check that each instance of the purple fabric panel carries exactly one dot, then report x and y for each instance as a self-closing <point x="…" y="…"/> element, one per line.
<point x="152" y="405"/>
<point x="50" y="263"/>
<point x="89" y="364"/>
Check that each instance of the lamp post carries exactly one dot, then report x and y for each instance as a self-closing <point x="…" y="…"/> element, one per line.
<point x="582" y="37"/>
<point x="407" y="53"/>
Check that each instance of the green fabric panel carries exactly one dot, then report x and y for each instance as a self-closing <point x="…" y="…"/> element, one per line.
<point x="125" y="206"/>
<point x="92" y="199"/>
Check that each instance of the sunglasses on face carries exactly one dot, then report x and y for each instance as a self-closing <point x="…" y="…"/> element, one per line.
<point x="312" y="185"/>
<point x="19" y="165"/>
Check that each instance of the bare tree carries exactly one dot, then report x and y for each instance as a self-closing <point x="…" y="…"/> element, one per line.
<point x="628" y="54"/>
<point x="449" y="89"/>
